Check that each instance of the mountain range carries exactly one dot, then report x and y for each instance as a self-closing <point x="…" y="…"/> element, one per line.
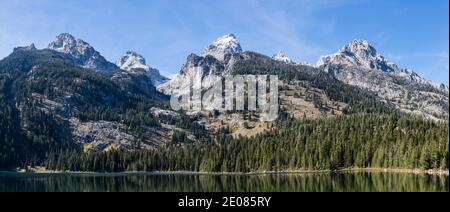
<point x="68" y="97"/>
<point x="358" y="64"/>
<point x="85" y="56"/>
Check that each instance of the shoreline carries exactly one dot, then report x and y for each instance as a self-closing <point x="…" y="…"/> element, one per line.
<point x="41" y="170"/>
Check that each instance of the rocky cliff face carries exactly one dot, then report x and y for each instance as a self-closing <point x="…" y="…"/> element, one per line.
<point x="196" y="67"/>
<point x="83" y="54"/>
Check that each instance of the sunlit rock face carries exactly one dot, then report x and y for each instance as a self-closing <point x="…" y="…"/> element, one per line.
<point x="83" y="54"/>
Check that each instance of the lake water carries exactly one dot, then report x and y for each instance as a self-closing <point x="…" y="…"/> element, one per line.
<point x="328" y="182"/>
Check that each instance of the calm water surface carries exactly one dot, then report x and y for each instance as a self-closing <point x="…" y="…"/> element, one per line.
<point x="329" y="182"/>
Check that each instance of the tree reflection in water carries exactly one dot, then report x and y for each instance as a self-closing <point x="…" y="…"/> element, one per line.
<point x="324" y="182"/>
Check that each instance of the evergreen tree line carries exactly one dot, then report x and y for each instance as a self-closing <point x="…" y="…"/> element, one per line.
<point x="357" y="141"/>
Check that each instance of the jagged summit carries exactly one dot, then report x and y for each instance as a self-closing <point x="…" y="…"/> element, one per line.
<point x="360" y="46"/>
<point x="83" y="54"/>
<point x="359" y="53"/>
<point x="227" y="44"/>
<point x="64" y="43"/>
<point x="133" y="62"/>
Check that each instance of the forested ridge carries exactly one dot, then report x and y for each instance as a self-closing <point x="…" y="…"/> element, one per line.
<point x="31" y="126"/>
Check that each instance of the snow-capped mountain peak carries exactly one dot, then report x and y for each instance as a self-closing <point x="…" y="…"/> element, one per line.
<point x="359" y="53"/>
<point x="64" y="43"/>
<point x="132" y="60"/>
<point x="83" y="54"/>
<point x="227" y="44"/>
<point x="280" y="56"/>
<point x="134" y="63"/>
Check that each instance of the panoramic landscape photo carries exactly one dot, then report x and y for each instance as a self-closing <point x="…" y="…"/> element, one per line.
<point x="224" y="96"/>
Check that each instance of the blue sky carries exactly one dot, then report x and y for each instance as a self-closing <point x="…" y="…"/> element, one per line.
<point x="412" y="33"/>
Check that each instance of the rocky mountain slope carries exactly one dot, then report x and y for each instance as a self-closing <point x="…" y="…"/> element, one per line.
<point x="359" y="64"/>
<point x="217" y="59"/>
